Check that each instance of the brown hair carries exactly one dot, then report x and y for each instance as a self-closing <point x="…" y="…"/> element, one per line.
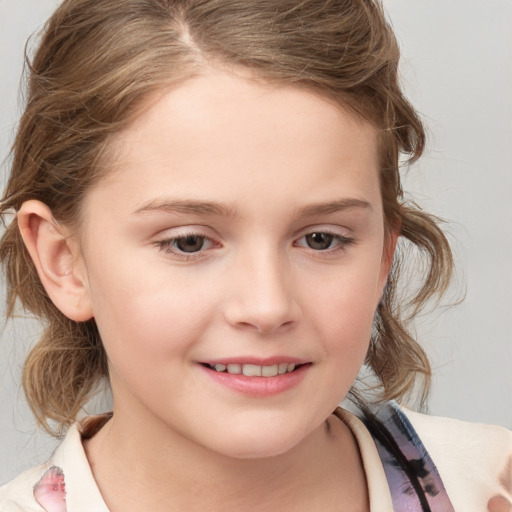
<point x="99" y="60"/>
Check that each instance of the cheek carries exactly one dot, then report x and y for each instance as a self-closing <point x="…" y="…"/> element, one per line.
<point x="348" y="296"/>
<point x="145" y="316"/>
<point x="343" y="309"/>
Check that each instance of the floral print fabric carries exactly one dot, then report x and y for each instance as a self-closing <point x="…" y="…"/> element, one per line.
<point x="50" y="490"/>
<point x="412" y="476"/>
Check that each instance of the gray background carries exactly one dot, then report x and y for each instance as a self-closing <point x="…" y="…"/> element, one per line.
<point x="457" y="69"/>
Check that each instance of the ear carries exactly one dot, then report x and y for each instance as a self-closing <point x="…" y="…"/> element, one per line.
<point x="57" y="260"/>
<point x="388" y="252"/>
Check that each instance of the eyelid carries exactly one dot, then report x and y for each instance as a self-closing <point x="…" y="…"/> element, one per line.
<point x="344" y="239"/>
<point x="165" y="242"/>
<point x="167" y="238"/>
<point x="340" y="231"/>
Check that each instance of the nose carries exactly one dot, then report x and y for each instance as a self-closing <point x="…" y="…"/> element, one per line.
<point x="263" y="296"/>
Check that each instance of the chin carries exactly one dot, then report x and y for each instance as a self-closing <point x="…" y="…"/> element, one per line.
<point x="261" y="443"/>
<point x="263" y="450"/>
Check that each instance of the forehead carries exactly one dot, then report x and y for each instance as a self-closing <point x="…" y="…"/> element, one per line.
<point x="222" y="134"/>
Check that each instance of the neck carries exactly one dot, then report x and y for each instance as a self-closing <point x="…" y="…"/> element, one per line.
<point x="139" y="466"/>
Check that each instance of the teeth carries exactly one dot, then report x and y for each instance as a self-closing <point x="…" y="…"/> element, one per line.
<point x="251" y="370"/>
<point x="269" y="371"/>
<point x="234" y="368"/>
<point x="254" y="370"/>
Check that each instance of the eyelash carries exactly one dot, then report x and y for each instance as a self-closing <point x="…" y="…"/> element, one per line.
<point x="342" y="242"/>
<point x="168" y="245"/>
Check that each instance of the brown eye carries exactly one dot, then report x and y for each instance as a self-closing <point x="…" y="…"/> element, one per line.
<point x="319" y="241"/>
<point x="190" y="243"/>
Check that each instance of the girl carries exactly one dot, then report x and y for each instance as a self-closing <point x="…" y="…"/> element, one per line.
<point x="207" y="205"/>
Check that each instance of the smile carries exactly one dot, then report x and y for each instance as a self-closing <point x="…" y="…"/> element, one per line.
<point x="269" y="378"/>
<point x="254" y="370"/>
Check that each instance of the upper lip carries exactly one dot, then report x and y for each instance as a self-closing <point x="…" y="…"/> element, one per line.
<point x="268" y="361"/>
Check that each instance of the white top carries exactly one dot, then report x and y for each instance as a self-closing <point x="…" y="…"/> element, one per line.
<point x="474" y="462"/>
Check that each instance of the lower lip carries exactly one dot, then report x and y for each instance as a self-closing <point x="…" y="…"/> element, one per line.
<point x="259" y="386"/>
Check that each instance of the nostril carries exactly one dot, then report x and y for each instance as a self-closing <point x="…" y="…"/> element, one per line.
<point x="267" y="329"/>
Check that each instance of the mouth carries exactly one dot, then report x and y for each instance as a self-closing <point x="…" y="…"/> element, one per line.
<point x="267" y="379"/>
<point x="254" y="370"/>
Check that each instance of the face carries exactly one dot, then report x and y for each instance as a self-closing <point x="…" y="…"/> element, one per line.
<point x="233" y="261"/>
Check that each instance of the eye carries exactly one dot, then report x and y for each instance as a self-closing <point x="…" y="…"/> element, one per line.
<point x="319" y="241"/>
<point x="187" y="246"/>
<point x="190" y="243"/>
<point x="324" y="241"/>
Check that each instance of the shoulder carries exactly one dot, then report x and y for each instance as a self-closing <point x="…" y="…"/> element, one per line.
<point x="474" y="460"/>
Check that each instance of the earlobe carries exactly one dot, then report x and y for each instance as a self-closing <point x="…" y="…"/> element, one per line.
<point x="54" y="256"/>
<point x="390" y="241"/>
<point x="390" y="247"/>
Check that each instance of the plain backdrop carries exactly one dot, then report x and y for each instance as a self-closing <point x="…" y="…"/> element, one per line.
<point x="457" y="70"/>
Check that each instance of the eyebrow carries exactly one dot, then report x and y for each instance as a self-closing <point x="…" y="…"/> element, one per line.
<point x="187" y="207"/>
<point x="333" y="207"/>
<point x="213" y="208"/>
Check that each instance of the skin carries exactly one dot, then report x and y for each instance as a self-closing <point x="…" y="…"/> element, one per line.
<point x="282" y="163"/>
